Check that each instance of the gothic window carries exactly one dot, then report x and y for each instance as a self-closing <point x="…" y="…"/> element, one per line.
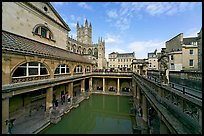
<point x="84" y="51"/>
<point x="89" y="51"/>
<point x="30" y="69"/>
<point x="62" y="69"/>
<point x="95" y="52"/>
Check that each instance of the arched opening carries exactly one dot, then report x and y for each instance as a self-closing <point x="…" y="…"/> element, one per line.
<point x="90" y="51"/>
<point x="96" y="52"/>
<point x="78" y="69"/>
<point x="43" y="31"/>
<point x="62" y="69"/>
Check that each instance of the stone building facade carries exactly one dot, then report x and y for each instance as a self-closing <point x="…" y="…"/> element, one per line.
<point x="36" y="62"/>
<point x="120" y="61"/>
<point x="183" y="53"/>
<point x="83" y="45"/>
<point x="153" y="60"/>
<point x="200" y="50"/>
<point x="140" y="66"/>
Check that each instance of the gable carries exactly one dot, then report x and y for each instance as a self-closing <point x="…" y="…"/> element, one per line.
<point x="49" y="10"/>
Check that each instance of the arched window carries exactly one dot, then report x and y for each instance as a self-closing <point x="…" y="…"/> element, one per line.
<point x="84" y="51"/>
<point x="79" y="50"/>
<point x="30" y="69"/>
<point x="43" y="31"/>
<point x="62" y="69"/>
<point x="87" y="69"/>
<point x="78" y="69"/>
<point x="74" y="48"/>
<point x="96" y="52"/>
<point x="90" y="52"/>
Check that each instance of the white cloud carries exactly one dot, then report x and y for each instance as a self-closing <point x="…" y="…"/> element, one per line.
<point x="72" y="35"/>
<point x="84" y="5"/>
<point x="112" y="39"/>
<point x="142" y="48"/>
<point x="113" y="49"/>
<point x="128" y="10"/>
<point x="191" y="32"/>
<point x="112" y="13"/>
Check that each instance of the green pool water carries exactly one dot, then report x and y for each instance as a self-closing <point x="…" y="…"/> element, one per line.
<point x="98" y="114"/>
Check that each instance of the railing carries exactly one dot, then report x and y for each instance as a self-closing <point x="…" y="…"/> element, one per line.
<point x="188" y="79"/>
<point x="61" y="75"/>
<point x="184" y="89"/>
<point x="185" y="109"/>
<point x="30" y="78"/>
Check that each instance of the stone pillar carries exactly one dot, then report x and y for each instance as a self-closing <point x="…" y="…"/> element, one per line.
<point x="104" y="85"/>
<point x="138" y="92"/>
<point x="5" y="115"/>
<point x="83" y="85"/>
<point x="163" y="128"/>
<point x="71" y="90"/>
<point x="133" y="87"/>
<point x="144" y="108"/>
<point x="49" y="98"/>
<point x="167" y="76"/>
<point x="90" y="84"/>
<point x="118" y="86"/>
<point x="6" y="61"/>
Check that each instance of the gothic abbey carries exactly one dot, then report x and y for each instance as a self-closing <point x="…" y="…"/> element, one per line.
<point x="83" y="45"/>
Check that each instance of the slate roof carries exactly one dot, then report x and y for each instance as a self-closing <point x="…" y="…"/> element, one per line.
<point x="15" y="43"/>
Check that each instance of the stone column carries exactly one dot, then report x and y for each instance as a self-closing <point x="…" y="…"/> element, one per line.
<point x="5" y="115"/>
<point x="118" y="86"/>
<point x="163" y="128"/>
<point x="138" y="92"/>
<point x="90" y="84"/>
<point x="104" y="85"/>
<point x="144" y="108"/>
<point x="71" y="90"/>
<point x="49" y="98"/>
<point x="6" y="60"/>
<point x="83" y="85"/>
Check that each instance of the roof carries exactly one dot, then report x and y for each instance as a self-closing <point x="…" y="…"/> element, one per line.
<point x="18" y="44"/>
<point x="187" y="41"/>
<point x="50" y="5"/>
<point x="54" y="11"/>
<point x="126" y="54"/>
<point x="114" y="53"/>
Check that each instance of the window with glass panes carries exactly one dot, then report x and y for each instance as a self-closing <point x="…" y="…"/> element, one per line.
<point x="62" y="69"/>
<point x="30" y="69"/>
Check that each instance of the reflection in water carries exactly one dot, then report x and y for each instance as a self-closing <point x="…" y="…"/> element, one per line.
<point x="98" y="114"/>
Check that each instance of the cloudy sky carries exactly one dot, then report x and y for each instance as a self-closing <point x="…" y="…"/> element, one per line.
<point x="139" y="27"/>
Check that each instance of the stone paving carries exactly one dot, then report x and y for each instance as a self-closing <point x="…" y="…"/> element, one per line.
<point x="38" y="120"/>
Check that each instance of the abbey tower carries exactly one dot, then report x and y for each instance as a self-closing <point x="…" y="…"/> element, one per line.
<point x="84" y="33"/>
<point x="83" y="45"/>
